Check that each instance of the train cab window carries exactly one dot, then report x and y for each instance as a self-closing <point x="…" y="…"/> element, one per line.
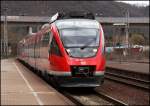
<point x="54" y="49"/>
<point x="45" y="39"/>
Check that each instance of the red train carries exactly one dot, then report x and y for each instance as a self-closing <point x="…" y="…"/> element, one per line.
<point x="69" y="50"/>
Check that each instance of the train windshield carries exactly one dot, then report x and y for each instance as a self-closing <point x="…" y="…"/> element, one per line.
<point x="79" y="37"/>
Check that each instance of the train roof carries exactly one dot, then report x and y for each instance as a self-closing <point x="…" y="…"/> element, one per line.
<point x="71" y="15"/>
<point x="80" y="23"/>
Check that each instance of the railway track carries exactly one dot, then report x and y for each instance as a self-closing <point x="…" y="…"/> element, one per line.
<point x="136" y="82"/>
<point x="142" y="62"/>
<point x="92" y="97"/>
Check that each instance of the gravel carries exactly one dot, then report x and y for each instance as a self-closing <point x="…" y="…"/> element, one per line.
<point x="127" y="94"/>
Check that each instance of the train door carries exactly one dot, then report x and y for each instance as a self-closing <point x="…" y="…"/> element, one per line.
<point x="26" y="53"/>
<point x="54" y="53"/>
<point x="34" y="50"/>
<point x="37" y="51"/>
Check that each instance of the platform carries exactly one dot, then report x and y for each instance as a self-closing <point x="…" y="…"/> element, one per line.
<point x="130" y="66"/>
<point x="19" y="86"/>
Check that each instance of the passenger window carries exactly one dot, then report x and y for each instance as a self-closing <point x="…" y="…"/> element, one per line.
<point x="45" y="39"/>
<point x="54" y="49"/>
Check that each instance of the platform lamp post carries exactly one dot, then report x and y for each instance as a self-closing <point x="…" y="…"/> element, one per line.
<point x="5" y="33"/>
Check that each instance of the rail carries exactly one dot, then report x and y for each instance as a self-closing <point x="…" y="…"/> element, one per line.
<point x="135" y="82"/>
<point x="86" y="98"/>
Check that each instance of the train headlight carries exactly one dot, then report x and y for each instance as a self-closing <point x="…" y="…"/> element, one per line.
<point x="94" y="50"/>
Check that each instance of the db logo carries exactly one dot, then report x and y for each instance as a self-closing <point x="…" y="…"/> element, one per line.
<point x="83" y="63"/>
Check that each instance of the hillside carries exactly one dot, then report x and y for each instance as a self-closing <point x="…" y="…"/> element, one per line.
<point x="48" y="8"/>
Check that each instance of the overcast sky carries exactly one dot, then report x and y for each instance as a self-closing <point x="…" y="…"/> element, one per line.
<point x="138" y="3"/>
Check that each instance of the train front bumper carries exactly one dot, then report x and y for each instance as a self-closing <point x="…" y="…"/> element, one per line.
<point x="64" y="81"/>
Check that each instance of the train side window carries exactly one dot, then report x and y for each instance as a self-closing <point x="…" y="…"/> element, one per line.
<point x="54" y="49"/>
<point x="45" y="39"/>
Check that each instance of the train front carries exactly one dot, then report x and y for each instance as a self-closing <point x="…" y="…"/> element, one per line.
<point x="82" y="48"/>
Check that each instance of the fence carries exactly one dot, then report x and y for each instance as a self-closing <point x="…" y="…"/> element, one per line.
<point x="123" y="53"/>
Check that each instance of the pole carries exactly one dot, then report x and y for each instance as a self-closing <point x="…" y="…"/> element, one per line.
<point x="5" y="33"/>
<point x="1" y="47"/>
<point x="127" y="31"/>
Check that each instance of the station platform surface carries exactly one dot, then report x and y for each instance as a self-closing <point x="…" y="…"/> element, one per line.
<point x="130" y="66"/>
<point x="19" y="86"/>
